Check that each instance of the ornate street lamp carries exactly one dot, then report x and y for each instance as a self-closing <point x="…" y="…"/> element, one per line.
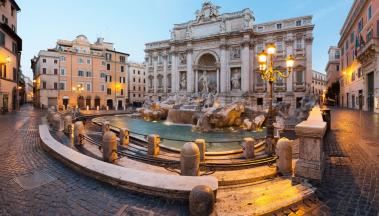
<point x="268" y="73"/>
<point x="78" y="89"/>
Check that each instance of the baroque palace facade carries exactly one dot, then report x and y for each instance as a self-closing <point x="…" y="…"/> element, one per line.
<point x="217" y="53"/>
<point x="78" y="73"/>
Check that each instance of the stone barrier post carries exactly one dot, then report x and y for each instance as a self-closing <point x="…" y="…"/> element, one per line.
<point x="78" y="131"/>
<point x="190" y="160"/>
<point x="97" y="108"/>
<point x="57" y="122"/>
<point x="311" y="153"/>
<point x="201" y="144"/>
<point x="104" y="127"/>
<point x="153" y="141"/>
<point x="67" y="124"/>
<point x="284" y="153"/>
<point x="201" y="200"/>
<point x="124" y="136"/>
<point x="109" y="147"/>
<point x="248" y="150"/>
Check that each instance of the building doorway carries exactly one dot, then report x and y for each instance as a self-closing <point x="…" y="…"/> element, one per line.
<point x="360" y="99"/>
<point x="119" y="104"/>
<point x="88" y="101"/>
<point x="110" y="103"/>
<point x="347" y="100"/>
<point x="65" y="102"/>
<point x="81" y="102"/>
<point x="370" y="92"/>
<point x="97" y="101"/>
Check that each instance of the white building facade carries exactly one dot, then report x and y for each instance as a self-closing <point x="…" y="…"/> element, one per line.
<point x="217" y="53"/>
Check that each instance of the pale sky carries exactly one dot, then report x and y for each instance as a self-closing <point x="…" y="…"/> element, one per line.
<point x="130" y="24"/>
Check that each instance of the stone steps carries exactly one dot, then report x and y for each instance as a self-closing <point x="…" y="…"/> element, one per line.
<point x="245" y="176"/>
<point x="260" y="198"/>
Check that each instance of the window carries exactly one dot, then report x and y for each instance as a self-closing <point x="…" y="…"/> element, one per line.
<point x="138" y="72"/>
<point x="134" y="88"/>
<point x="369" y="12"/>
<point x="14" y="47"/>
<point x="134" y="71"/>
<point x="88" y="61"/>
<point x="347" y="44"/>
<point x="44" y="84"/>
<point x="352" y="36"/>
<point x="55" y="71"/>
<point x="279" y="26"/>
<point x="108" y="66"/>
<point x="298" y="102"/>
<point x="102" y="88"/>
<point x="299" y="77"/>
<point x="299" y="43"/>
<point x="80" y="61"/>
<point x="14" y="74"/>
<point x="43" y="70"/>
<point x="88" y="74"/>
<point x="259" y="101"/>
<point x="279" y="46"/>
<point x="108" y="78"/>
<point x="122" y="91"/>
<point x="2" y="39"/>
<point x="63" y="72"/>
<point x="103" y="75"/>
<point x="108" y="56"/>
<point x="122" y="59"/>
<point x="134" y="79"/>
<point x="62" y="86"/>
<point x="88" y="86"/>
<point x="55" y="85"/>
<point x="103" y="63"/>
<point x="43" y="60"/>
<point x="369" y="36"/>
<point x="360" y="25"/>
<point x="337" y="67"/>
<point x="122" y="68"/>
<point x="337" y="55"/>
<point x="80" y="73"/>
<point x="109" y="91"/>
<point x="279" y="99"/>
<point x="62" y="58"/>
<point x="298" y="23"/>
<point x="55" y="61"/>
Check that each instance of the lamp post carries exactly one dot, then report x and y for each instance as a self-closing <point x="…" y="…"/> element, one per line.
<point x="268" y="73"/>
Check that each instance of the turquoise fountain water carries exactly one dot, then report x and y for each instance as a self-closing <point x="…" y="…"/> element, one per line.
<point x="174" y="135"/>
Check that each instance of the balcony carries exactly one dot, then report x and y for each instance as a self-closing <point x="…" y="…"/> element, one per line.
<point x="280" y="87"/>
<point x="260" y="88"/>
<point x="366" y="52"/>
<point x="299" y="86"/>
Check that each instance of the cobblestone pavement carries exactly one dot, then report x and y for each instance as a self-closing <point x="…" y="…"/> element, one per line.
<point x="64" y="192"/>
<point x="351" y="179"/>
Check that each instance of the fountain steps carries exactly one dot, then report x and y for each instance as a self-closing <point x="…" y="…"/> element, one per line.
<point x="262" y="197"/>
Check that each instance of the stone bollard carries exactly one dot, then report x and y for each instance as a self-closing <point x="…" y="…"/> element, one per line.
<point x="109" y="147"/>
<point x="78" y="131"/>
<point x="107" y="108"/>
<point x="153" y="141"/>
<point x="97" y="108"/>
<point x="57" y="122"/>
<point x="201" y="201"/>
<point x="67" y="126"/>
<point x="87" y="107"/>
<point x="104" y="127"/>
<point x="201" y="144"/>
<point x="248" y="150"/>
<point x="284" y="153"/>
<point x="190" y="160"/>
<point x="124" y="136"/>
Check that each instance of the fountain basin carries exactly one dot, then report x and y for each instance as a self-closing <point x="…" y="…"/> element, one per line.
<point x="174" y="136"/>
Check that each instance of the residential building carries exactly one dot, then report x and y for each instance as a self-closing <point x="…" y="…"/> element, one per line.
<point x="217" y="53"/>
<point x="333" y="66"/>
<point x="81" y="74"/>
<point x="10" y="56"/>
<point x="319" y="85"/>
<point x="359" y="45"/>
<point x="136" y="83"/>
<point x="29" y="90"/>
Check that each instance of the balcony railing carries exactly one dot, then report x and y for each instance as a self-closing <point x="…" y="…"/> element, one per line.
<point x="368" y="49"/>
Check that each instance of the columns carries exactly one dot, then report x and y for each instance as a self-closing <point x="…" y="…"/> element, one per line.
<point x="196" y="81"/>
<point x="165" y="73"/>
<point x="218" y="79"/>
<point x="245" y="61"/>
<point x="223" y="69"/>
<point x="308" y="59"/>
<point x="289" y="51"/>
<point x="190" y="75"/>
<point x="174" y="73"/>
<point x="155" y="67"/>
<point x="251" y="67"/>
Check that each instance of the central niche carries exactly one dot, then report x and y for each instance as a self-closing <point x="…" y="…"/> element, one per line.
<point x="207" y="74"/>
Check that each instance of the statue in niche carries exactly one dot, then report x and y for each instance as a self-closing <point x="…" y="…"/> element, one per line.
<point x="189" y="31"/>
<point x="246" y="21"/>
<point x="236" y="80"/>
<point x="222" y="26"/>
<point x="235" y="53"/>
<point x="182" y="58"/>
<point x="204" y="82"/>
<point x="183" y="81"/>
